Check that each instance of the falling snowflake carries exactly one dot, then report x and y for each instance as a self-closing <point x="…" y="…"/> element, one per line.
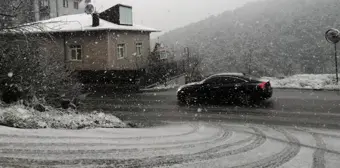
<point x="10" y="74"/>
<point x="199" y="110"/>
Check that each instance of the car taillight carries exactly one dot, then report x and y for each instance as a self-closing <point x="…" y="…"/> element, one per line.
<point x="262" y="85"/>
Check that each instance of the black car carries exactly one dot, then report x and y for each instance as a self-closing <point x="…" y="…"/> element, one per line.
<point x="226" y="87"/>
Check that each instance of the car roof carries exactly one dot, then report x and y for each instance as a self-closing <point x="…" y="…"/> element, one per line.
<point x="237" y="75"/>
<point x="229" y="74"/>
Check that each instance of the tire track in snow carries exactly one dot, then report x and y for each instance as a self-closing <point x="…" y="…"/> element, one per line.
<point x="40" y="144"/>
<point x="319" y="133"/>
<point x="278" y="159"/>
<point x="222" y="137"/>
<point x="220" y="147"/>
<point x="319" y="154"/>
<point x="194" y="130"/>
<point x="220" y="134"/>
<point x="256" y="140"/>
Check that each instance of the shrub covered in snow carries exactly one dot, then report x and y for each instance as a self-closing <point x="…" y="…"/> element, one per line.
<point x="162" y="87"/>
<point x="21" y="117"/>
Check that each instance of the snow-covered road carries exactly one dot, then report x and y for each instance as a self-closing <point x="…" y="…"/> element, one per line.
<point x="174" y="145"/>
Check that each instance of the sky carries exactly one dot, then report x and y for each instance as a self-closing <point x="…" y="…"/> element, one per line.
<point x="167" y="15"/>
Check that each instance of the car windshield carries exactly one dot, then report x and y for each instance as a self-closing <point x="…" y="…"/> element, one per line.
<point x="169" y="83"/>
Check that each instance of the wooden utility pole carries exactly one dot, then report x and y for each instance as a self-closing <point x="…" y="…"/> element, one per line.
<point x="187" y="51"/>
<point x="336" y="63"/>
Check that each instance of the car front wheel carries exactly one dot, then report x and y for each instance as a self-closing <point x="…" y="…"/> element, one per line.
<point x="186" y="99"/>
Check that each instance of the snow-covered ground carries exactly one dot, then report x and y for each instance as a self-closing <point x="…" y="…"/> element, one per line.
<point x="22" y="117"/>
<point x="305" y="81"/>
<point x="165" y="87"/>
<point x="176" y="145"/>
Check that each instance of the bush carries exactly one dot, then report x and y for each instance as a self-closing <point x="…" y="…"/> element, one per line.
<point x="34" y="70"/>
<point x="19" y="116"/>
<point x="30" y="68"/>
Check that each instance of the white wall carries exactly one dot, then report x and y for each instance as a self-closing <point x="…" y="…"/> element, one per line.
<point x="57" y="8"/>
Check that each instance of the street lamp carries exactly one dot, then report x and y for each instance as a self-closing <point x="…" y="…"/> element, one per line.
<point x="333" y="36"/>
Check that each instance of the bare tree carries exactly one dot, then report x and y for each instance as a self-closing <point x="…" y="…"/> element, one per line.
<point x="194" y="69"/>
<point x="27" y="66"/>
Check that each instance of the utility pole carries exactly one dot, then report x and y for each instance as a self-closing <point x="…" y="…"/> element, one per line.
<point x="187" y="52"/>
<point x="36" y="10"/>
<point x="57" y="8"/>
<point x="336" y="63"/>
<point x="249" y="63"/>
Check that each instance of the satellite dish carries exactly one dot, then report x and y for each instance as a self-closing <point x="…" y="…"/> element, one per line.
<point x="89" y="8"/>
<point x="333" y="35"/>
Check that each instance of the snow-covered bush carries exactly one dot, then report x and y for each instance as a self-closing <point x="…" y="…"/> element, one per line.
<point x="19" y="116"/>
<point x="28" y="62"/>
<point x="34" y="71"/>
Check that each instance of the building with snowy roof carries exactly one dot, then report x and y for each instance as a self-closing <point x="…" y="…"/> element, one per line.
<point x="102" y="42"/>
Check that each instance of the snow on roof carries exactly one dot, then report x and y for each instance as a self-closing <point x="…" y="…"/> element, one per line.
<point x="79" y="22"/>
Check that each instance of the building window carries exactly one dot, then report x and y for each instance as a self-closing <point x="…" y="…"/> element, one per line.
<point x="44" y="9"/>
<point x="121" y="51"/>
<point x="65" y="3"/>
<point x="139" y="49"/>
<point x="76" y="54"/>
<point x="76" y="5"/>
<point x="44" y="3"/>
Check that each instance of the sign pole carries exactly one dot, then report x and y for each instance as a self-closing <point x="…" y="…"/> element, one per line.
<point x="336" y="63"/>
<point x="333" y="36"/>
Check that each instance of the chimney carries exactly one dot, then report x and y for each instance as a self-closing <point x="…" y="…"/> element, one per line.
<point x="95" y="19"/>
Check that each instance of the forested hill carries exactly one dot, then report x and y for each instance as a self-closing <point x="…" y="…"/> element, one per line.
<point x="268" y="37"/>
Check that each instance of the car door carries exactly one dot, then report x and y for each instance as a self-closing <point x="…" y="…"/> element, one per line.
<point x="231" y="87"/>
<point x="211" y="88"/>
